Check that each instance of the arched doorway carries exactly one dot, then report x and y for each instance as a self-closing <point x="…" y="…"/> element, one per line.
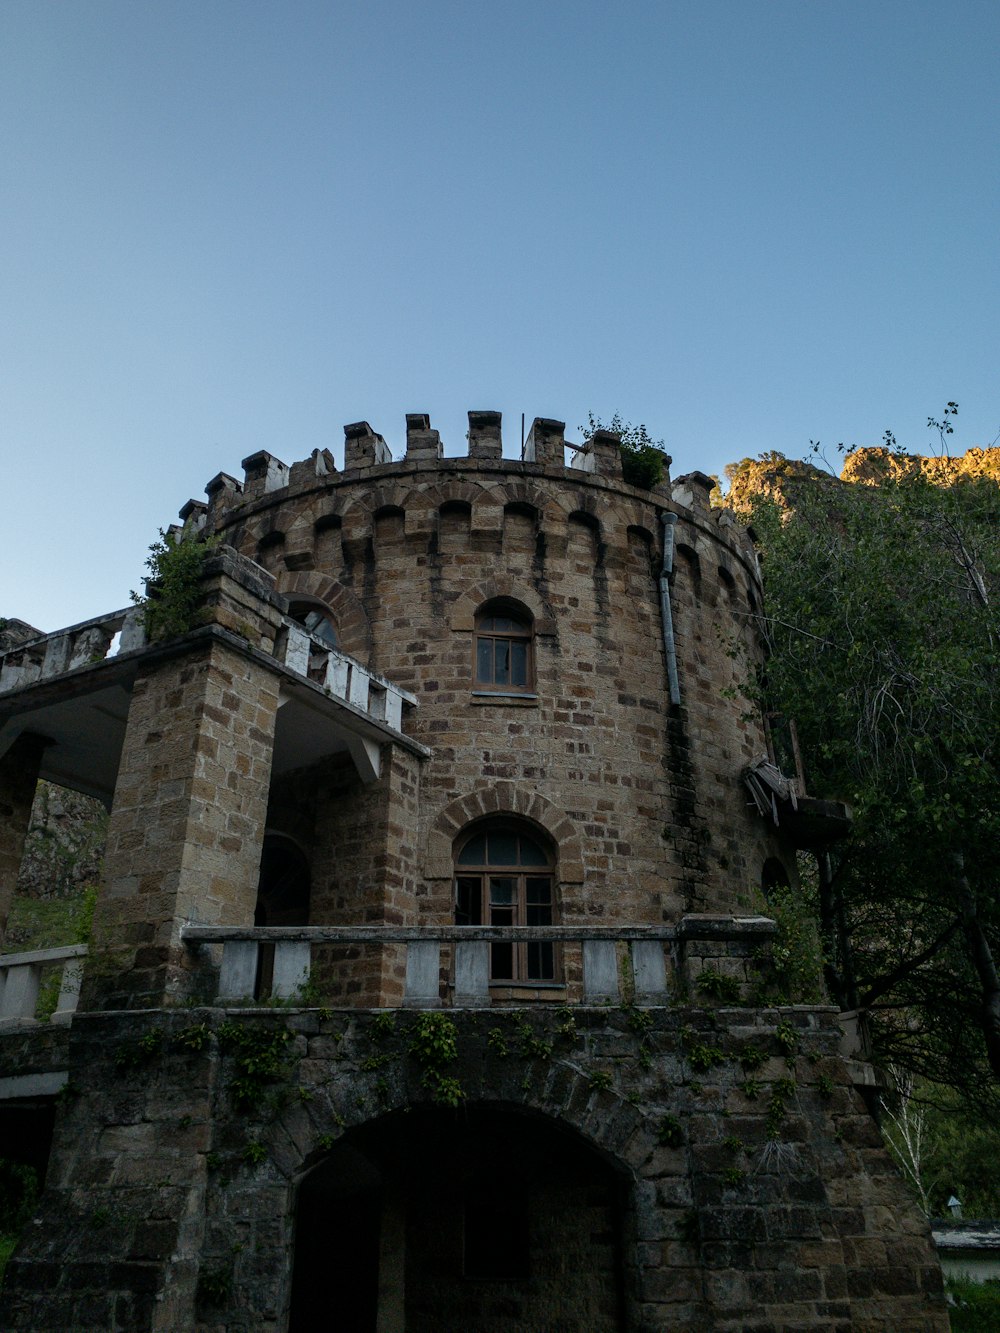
<point x="431" y="1220"/>
<point x="282" y="897"/>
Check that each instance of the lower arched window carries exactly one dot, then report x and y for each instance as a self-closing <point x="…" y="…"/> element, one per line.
<point x="504" y="877"/>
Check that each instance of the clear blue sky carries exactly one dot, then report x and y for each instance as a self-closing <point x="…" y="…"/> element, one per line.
<point x="230" y="225"/>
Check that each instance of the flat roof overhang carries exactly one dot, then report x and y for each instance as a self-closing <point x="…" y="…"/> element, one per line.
<point x="83" y="715"/>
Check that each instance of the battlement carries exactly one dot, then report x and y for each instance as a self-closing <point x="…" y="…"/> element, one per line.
<point x="575" y="477"/>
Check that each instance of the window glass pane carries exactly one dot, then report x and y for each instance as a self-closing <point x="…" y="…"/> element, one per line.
<point x="487" y="622"/>
<point x="519" y="662"/>
<point x="468" y="901"/>
<point x="541" y="962"/>
<point x="502" y="892"/>
<point x="501" y="666"/>
<point x="532" y="854"/>
<point x="318" y="624"/>
<point x="502" y="962"/>
<point x="538" y="891"/>
<point x="506" y="624"/>
<point x="502" y="848"/>
<point x="538" y="916"/>
<point x="474" y="852"/>
<point x="484" y="661"/>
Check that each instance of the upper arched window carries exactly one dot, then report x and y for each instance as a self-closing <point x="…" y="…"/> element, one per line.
<point x="504" y="877"/>
<point x="316" y="619"/>
<point x="504" y="644"/>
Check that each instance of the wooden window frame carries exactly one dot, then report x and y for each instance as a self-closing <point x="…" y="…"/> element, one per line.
<point x="519" y="630"/>
<point x="530" y="964"/>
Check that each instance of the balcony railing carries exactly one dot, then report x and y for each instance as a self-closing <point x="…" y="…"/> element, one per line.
<point x="79" y="645"/>
<point x="601" y="949"/>
<point x="340" y="676"/>
<point x="21" y="979"/>
<point x="305" y="654"/>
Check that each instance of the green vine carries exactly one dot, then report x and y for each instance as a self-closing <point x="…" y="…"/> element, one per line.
<point x="434" y="1044"/>
<point x="782" y="1092"/>
<point x="719" y="986"/>
<point x="215" y="1286"/>
<point x="700" y="1056"/>
<point x="260" y="1059"/>
<point x="670" y="1132"/>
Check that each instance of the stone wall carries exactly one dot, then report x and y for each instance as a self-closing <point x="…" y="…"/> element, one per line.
<point x="403" y="553"/>
<point x="727" y="1154"/>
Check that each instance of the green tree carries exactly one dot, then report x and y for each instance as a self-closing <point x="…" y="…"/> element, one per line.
<point x="883" y="636"/>
<point x="173" y="592"/>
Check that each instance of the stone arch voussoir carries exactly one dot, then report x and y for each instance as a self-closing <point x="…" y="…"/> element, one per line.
<point x="620" y="1132"/>
<point x="465" y="606"/>
<point x="503" y="798"/>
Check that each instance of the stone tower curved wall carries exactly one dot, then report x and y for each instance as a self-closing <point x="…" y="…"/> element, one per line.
<point x="643" y="800"/>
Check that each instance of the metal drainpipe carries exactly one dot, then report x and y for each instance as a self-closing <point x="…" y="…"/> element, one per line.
<point x="669" y="522"/>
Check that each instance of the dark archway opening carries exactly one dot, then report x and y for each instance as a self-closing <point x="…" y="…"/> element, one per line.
<point x="282" y="897"/>
<point x="487" y="1219"/>
<point x="773" y="876"/>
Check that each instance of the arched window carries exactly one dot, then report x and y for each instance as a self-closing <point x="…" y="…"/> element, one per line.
<point x="504" y="877"/>
<point x="316" y="619"/>
<point x="504" y="642"/>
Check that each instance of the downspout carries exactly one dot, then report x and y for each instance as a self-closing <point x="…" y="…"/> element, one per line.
<point x="669" y="647"/>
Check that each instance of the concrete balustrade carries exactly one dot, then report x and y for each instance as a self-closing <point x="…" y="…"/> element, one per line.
<point x="341" y="676"/>
<point x="650" y="951"/>
<point x="81" y="645"/>
<point x="21" y="977"/>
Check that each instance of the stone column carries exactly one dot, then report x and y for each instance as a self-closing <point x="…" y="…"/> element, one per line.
<point x="187" y="821"/>
<point x="18" y="779"/>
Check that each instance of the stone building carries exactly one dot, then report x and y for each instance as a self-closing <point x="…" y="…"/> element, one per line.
<point x="424" y="985"/>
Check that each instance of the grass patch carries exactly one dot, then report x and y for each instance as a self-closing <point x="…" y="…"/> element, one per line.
<point x="48" y="923"/>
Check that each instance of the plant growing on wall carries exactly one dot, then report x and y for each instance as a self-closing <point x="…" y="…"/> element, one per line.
<point x="172" y="599"/>
<point x="643" y="458"/>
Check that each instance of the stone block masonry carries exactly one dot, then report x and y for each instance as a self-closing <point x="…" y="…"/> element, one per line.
<point x="728" y="1177"/>
<point x="440" y="692"/>
<point x="187" y="820"/>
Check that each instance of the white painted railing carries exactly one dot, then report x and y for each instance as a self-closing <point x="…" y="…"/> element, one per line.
<point x="21" y="977"/>
<point x="341" y="676"/>
<point x="79" y="645"/>
<point x="602" y="949"/>
<point x="93" y="641"/>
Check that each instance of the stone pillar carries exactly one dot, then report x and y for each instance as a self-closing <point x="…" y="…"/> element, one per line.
<point x="546" y="442"/>
<point x="187" y="820"/>
<point x="18" y="779"/>
<point x="484" y="435"/>
<point x="365" y="872"/>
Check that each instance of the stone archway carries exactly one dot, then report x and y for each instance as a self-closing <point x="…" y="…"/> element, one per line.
<point x="492" y="1220"/>
<point x="520" y="801"/>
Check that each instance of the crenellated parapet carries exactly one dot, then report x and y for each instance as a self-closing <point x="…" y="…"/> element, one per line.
<point x="288" y="516"/>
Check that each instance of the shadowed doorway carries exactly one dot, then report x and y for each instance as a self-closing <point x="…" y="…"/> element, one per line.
<point x="480" y="1219"/>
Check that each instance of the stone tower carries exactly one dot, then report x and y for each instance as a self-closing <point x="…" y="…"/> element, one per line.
<point x="424" y="989"/>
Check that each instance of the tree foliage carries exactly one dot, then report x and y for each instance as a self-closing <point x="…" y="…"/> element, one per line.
<point x="643" y="458"/>
<point x="173" y="592"/>
<point x="883" y="637"/>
